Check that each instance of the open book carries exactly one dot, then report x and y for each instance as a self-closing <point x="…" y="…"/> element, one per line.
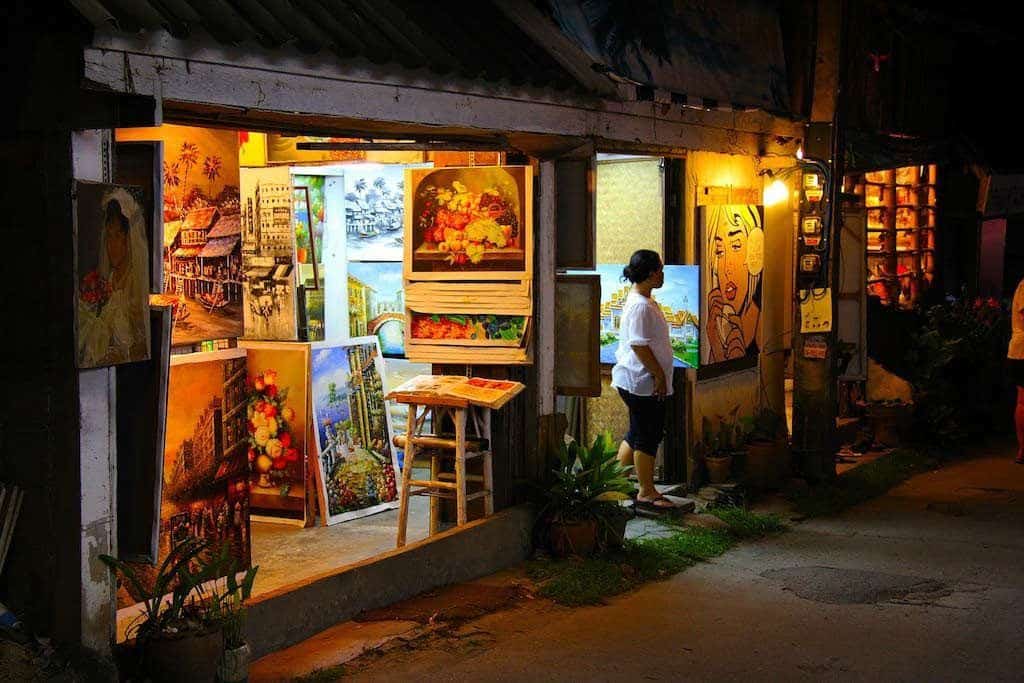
<point x="489" y="393"/>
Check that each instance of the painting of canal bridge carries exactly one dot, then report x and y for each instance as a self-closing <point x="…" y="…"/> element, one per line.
<point x="679" y="300"/>
<point x="376" y="305"/>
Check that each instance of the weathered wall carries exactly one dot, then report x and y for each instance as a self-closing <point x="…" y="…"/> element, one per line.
<point x="630" y="208"/>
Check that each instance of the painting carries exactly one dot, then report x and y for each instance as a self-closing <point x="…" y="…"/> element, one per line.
<point x="577" y="347"/>
<point x="357" y="467"/>
<point x="468" y="329"/>
<point x="205" y="474"/>
<point x="112" y="315"/>
<point x="201" y="230"/>
<point x="268" y="254"/>
<point x="308" y="213"/>
<point x="733" y="261"/>
<point x="679" y="299"/>
<point x="469" y="223"/>
<point x="398" y="372"/>
<point x="374" y="212"/>
<point x="376" y="305"/>
<point x="277" y="416"/>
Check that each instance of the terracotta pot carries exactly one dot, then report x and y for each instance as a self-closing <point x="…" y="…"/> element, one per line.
<point x="613" y="534"/>
<point x="301" y="255"/>
<point x="719" y="468"/>
<point x="767" y="462"/>
<point x="888" y="422"/>
<point x="573" y="538"/>
<point x="183" y="658"/>
<point x="234" y="665"/>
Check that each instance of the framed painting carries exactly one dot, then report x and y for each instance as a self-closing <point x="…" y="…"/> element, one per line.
<point x="201" y="229"/>
<point x="112" y="272"/>
<point x="357" y="467"/>
<point x="732" y="244"/>
<point x="277" y="420"/>
<point x="268" y="255"/>
<point x="577" y="348"/>
<point x="141" y="164"/>
<point x="473" y="223"/>
<point x="205" y="473"/>
<point x="679" y="299"/>
<point x="376" y="305"/>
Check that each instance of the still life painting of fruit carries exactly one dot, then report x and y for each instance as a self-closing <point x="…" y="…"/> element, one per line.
<point x="489" y="330"/>
<point x="469" y="220"/>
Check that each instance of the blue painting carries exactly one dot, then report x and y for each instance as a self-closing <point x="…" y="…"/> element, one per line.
<point x="679" y="299"/>
<point x="377" y="305"/>
<point x="374" y="212"/>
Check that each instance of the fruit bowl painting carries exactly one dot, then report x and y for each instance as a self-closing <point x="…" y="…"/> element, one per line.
<point x="468" y="329"/>
<point x="469" y="223"/>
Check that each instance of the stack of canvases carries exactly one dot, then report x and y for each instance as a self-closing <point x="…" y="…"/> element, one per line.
<point x="469" y="264"/>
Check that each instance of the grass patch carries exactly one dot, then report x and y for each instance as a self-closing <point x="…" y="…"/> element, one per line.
<point x="863" y="483"/>
<point x="589" y="581"/>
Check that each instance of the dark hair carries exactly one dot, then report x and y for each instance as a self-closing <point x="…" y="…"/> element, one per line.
<point x="114" y="213"/>
<point x="642" y="264"/>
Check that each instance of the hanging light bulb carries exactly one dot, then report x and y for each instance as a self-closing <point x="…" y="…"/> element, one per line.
<point x="800" y="153"/>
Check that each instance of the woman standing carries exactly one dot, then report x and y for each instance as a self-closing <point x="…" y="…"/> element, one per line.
<point x="643" y="373"/>
<point x="1015" y="364"/>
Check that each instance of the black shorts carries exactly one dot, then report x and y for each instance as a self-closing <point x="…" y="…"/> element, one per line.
<point x="1015" y="371"/>
<point x="646" y="421"/>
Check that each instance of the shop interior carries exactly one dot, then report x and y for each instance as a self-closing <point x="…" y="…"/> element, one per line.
<point x="264" y="248"/>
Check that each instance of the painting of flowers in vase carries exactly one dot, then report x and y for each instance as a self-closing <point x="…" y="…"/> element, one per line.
<point x="469" y="223"/>
<point x="357" y="465"/>
<point x="276" y="423"/>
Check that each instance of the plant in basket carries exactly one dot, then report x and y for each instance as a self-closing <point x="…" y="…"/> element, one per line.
<point x="581" y="506"/>
<point x="271" y="448"/>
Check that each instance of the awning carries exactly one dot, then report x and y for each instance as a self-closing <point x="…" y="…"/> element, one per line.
<point x="227" y="226"/>
<point x="221" y="246"/>
<point x="258" y="273"/>
<point x="868" y="151"/>
<point x="186" y="252"/>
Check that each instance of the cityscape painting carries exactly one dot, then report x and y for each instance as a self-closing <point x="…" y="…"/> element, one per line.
<point x="357" y="467"/>
<point x="268" y="254"/>
<point x="205" y="475"/>
<point x="376" y="305"/>
<point x="201" y="230"/>
<point x="679" y="299"/>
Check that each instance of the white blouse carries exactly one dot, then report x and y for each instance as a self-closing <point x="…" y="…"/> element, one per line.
<point x="642" y="324"/>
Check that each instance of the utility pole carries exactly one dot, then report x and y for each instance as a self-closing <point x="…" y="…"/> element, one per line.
<point x="814" y="362"/>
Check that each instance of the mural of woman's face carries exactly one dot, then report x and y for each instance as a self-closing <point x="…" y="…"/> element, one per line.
<point x="730" y="244"/>
<point x="116" y="241"/>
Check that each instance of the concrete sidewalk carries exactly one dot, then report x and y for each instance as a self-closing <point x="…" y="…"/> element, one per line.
<point x="925" y="583"/>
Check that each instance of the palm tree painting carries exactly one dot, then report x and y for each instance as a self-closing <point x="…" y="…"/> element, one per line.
<point x="374" y="210"/>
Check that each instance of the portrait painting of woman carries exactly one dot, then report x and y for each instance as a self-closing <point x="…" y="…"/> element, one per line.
<point x="733" y="262"/>
<point x="113" y="276"/>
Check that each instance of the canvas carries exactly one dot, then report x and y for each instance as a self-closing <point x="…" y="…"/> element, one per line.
<point x="461" y="329"/>
<point x="308" y="214"/>
<point x="205" y="474"/>
<point x="112" y="315"/>
<point x="268" y="255"/>
<point x="577" y="347"/>
<point x="201" y="230"/>
<point x="733" y="261"/>
<point x="469" y="223"/>
<point x="398" y="372"/>
<point x="277" y="419"/>
<point x="679" y="299"/>
<point x="357" y="467"/>
<point x="376" y="305"/>
<point x="374" y="212"/>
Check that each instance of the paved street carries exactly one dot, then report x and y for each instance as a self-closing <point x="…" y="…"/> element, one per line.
<point x="926" y="583"/>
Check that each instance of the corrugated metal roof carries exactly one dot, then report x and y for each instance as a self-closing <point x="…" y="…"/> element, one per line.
<point x="219" y="246"/>
<point x="473" y="40"/>
<point x="227" y="226"/>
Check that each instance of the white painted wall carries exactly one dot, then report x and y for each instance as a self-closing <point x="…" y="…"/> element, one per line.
<point x="98" y="446"/>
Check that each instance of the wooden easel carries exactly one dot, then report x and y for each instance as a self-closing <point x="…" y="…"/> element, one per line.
<point x="458" y="448"/>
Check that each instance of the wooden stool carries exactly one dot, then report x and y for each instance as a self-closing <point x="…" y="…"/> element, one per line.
<point x="456" y="447"/>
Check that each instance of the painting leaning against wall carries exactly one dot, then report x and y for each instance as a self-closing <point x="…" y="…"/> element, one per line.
<point x="356" y="460"/>
<point x="376" y="304"/>
<point x="733" y="260"/>
<point x="201" y="230"/>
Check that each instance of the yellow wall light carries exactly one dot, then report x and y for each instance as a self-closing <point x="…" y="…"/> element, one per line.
<point x="776" y="193"/>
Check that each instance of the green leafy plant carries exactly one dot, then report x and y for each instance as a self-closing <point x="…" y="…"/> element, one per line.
<point x="721" y="439"/>
<point x="180" y="576"/>
<point x="764" y="425"/>
<point x="588" y="483"/>
<point x="225" y="601"/>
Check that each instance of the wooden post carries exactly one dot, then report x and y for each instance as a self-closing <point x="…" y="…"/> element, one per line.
<point x="488" y="472"/>
<point x="460" y="465"/>
<point x="410" y="458"/>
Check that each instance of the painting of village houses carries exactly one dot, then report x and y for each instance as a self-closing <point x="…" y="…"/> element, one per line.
<point x="268" y="255"/>
<point x="376" y="305"/>
<point x="201" y="230"/>
<point x="374" y="211"/>
<point x="357" y="463"/>
<point x="679" y="299"/>
<point x="206" y="474"/>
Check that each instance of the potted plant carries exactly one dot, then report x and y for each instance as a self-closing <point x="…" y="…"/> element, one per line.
<point x="719" y="445"/>
<point x="767" y="449"/>
<point x="174" y="637"/>
<point x="583" y="500"/>
<point x="226" y="606"/>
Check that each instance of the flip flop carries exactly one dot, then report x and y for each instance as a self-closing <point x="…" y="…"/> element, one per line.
<point x="653" y="504"/>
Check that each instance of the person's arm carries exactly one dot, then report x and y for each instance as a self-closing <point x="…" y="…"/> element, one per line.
<point x="646" y="356"/>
